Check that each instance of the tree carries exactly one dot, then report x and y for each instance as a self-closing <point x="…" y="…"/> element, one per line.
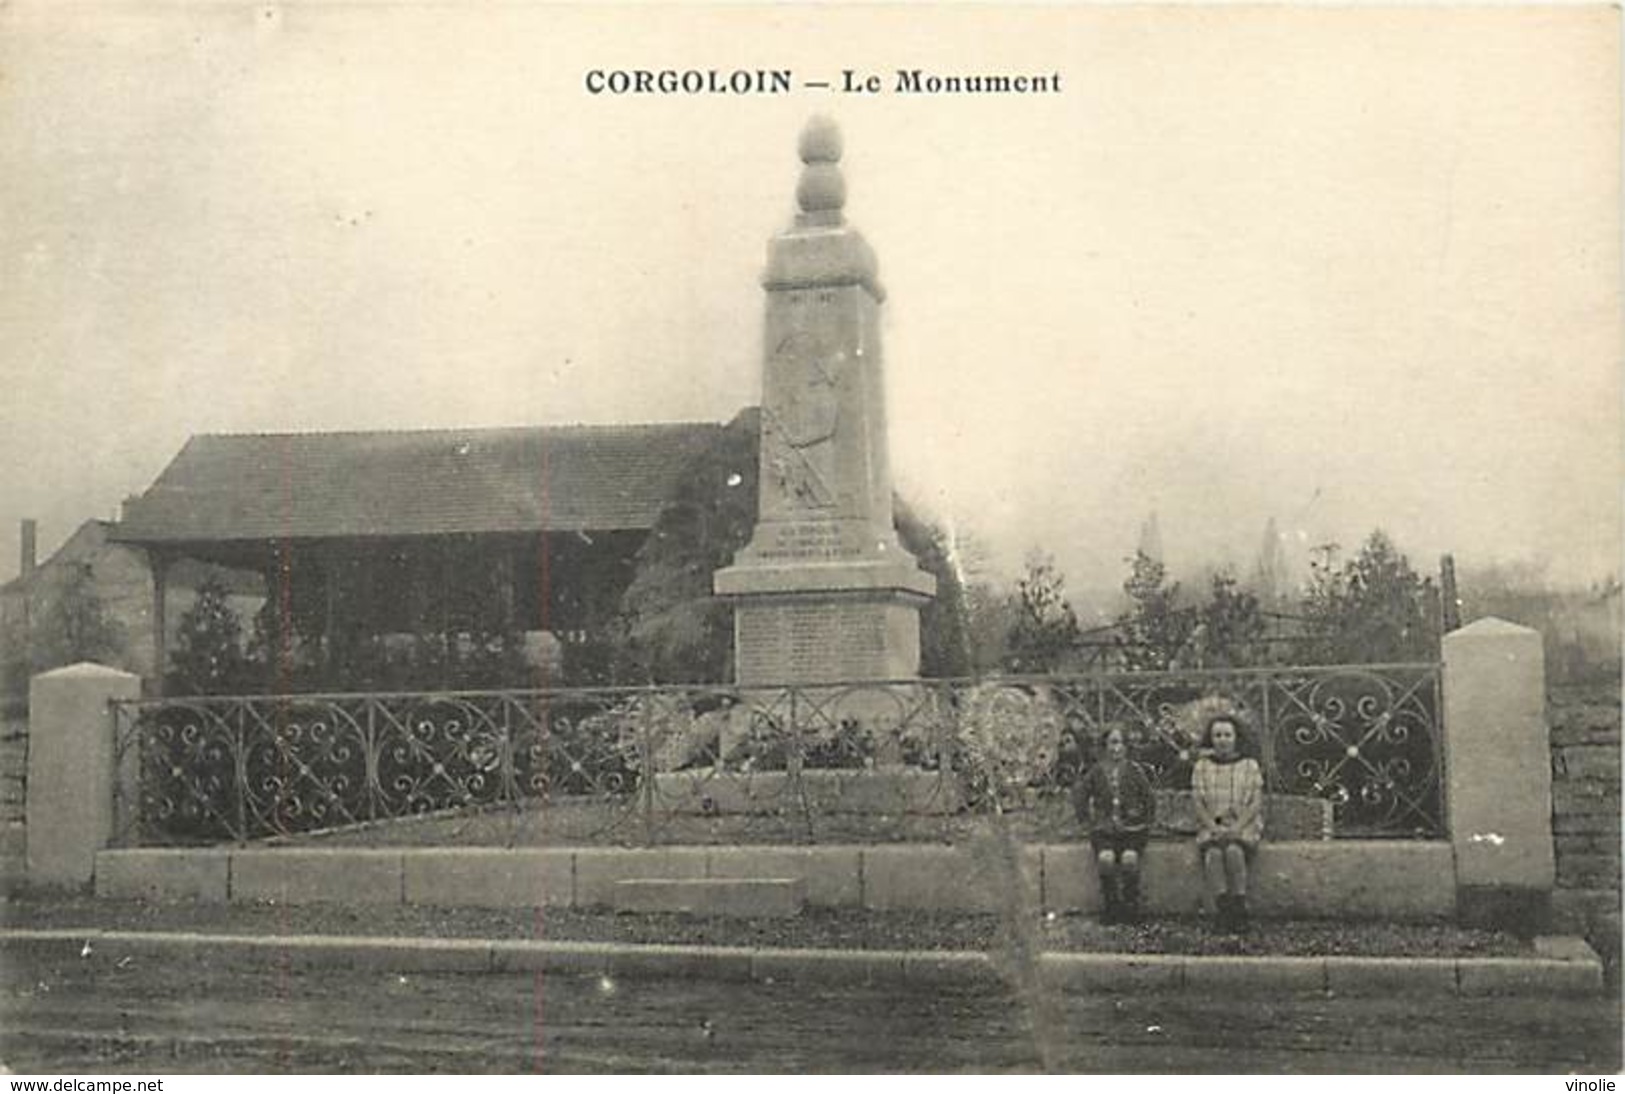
<point x="1231" y="630"/>
<point x="1154" y="631"/>
<point x="1270" y="572"/>
<point x="1150" y="542"/>
<point x="1373" y="608"/>
<point x="1045" y="632"/>
<point x="981" y="613"/>
<point x="208" y="657"/>
<point x="944" y="639"/>
<point x="670" y="627"/>
<point x="76" y="625"/>
<point x="990" y="618"/>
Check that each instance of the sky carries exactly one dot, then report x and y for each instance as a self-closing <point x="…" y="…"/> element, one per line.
<point x="1343" y="268"/>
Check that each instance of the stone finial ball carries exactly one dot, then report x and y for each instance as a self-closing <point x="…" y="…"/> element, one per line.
<point x="820" y="141"/>
<point x="821" y="189"/>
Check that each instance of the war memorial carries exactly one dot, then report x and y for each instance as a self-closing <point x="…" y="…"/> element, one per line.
<point x="824" y="591"/>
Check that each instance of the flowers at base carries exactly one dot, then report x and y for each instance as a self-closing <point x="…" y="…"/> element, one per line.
<point x="1011" y="735"/>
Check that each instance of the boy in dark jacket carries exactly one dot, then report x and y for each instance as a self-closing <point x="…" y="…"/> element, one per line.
<point x="1116" y="806"/>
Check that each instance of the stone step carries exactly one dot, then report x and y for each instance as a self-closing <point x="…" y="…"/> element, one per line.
<point x="777" y="897"/>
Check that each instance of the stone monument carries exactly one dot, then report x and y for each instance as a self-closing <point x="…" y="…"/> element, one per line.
<point x="824" y="591"/>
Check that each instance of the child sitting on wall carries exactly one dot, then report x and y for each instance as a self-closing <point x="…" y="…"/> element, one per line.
<point x="1115" y="804"/>
<point x="1227" y="790"/>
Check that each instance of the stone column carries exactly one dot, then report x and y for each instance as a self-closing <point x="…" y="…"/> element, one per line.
<point x="332" y="606"/>
<point x="158" y="562"/>
<point x="1498" y="777"/>
<point x="72" y="769"/>
<point x="824" y="591"/>
<point x="503" y="563"/>
<point x="278" y="573"/>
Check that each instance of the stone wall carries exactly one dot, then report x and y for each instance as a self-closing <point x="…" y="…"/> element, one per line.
<point x="1383" y="880"/>
<point x="1585" y="728"/>
<point x="13" y="781"/>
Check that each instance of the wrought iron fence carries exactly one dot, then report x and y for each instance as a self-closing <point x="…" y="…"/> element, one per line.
<point x="892" y="760"/>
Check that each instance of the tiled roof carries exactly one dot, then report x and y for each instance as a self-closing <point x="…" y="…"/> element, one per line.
<point x="429" y="482"/>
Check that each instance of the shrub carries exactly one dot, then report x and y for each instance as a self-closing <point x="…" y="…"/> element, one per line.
<point x="208" y="656"/>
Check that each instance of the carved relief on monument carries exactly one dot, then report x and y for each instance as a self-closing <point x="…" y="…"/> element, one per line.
<point x="800" y="423"/>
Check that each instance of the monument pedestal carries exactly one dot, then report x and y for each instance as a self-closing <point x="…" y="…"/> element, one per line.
<point x="826" y="623"/>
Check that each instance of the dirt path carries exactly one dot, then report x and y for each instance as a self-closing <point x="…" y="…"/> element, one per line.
<point x="91" y="1016"/>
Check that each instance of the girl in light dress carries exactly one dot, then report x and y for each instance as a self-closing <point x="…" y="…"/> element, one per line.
<point x="1228" y="792"/>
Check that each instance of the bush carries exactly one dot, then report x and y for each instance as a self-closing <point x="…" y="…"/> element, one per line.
<point x="208" y="657"/>
<point x="1372" y="609"/>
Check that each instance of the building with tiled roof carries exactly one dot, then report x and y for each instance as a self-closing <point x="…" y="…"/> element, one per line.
<point x="249" y="488"/>
<point x="426" y="531"/>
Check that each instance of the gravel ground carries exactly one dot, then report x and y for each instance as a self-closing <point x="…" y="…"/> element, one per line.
<point x="816" y="928"/>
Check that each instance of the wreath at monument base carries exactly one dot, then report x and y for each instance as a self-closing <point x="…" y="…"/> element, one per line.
<point x="1010" y="736"/>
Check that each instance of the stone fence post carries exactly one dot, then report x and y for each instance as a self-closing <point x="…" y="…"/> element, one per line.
<point x="71" y="769"/>
<point x="1498" y="775"/>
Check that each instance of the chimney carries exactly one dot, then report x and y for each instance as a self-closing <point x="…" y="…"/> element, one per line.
<point x="30" y="535"/>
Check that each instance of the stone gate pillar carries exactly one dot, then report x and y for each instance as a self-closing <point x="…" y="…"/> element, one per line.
<point x="72" y="768"/>
<point x="824" y="591"/>
<point x="1498" y="773"/>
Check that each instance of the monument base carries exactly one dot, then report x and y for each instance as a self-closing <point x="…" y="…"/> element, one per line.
<point x="823" y="623"/>
<point x="814" y="638"/>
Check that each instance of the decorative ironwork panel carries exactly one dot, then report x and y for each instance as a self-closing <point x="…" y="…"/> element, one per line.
<point x="190" y="771"/>
<point x="439" y="752"/>
<point x="304" y="766"/>
<point x="1367" y="741"/>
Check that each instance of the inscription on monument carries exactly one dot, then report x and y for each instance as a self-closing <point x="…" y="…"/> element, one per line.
<point x="790" y="643"/>
<point x="806" y="541"/>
